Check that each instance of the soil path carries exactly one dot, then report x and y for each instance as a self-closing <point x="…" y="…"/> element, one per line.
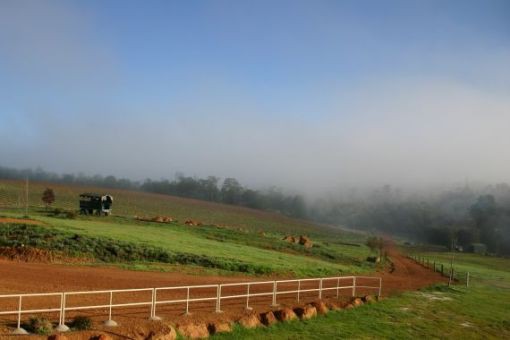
<point x="19" y="220"/>
<point x="22" y="277"/>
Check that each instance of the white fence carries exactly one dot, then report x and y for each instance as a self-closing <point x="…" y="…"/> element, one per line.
<point x="216" y="293"/>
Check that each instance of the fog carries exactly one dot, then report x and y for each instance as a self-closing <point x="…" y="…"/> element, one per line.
<point x="69" y="105"/>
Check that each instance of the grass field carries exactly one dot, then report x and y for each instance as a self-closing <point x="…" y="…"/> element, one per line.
<point x="478" y="312"/>
<point x="133" y="203"/>
<point x="238" y="245"/>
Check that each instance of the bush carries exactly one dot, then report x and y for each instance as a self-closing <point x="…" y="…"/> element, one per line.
<point x="39" y="325"/>
<point x="57" y="211"/>
<point x="81" y="323"/>
<point x="71" y="214"/>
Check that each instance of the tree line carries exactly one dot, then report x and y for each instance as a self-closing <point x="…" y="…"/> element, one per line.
<point x="454" y="218"/>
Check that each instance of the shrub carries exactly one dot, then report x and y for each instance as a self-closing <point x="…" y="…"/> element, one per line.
<point x="39" y="325"/>
<point x="81" y="323"/>
<point x="57" y="211"/>
<point x="71" y="214"/>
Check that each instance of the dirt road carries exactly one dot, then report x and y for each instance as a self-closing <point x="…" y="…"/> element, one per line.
<point x="21" y="277"/>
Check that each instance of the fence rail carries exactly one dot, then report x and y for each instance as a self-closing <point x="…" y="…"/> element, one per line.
<point x="445" y="270"/>
<point x="217" y="292"/>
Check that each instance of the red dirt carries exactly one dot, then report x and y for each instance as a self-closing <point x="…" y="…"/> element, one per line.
<point x="19" y="277"/>
<point x="19" y="220"/>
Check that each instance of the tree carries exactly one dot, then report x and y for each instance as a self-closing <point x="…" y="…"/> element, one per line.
<point x="48" y="197"/>
<point x="231" y="191"/>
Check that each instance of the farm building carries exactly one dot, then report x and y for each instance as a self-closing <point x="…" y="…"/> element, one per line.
<point x="92" y="203"/>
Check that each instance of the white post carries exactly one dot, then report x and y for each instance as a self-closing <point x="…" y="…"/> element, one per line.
<point x="110" y="322"/>
<point x="467" y="280"/>
<point x="320" y="289"/>
<point x="353" y="286"/>
<point x="218" y="299"/>
<point x="153" y="316"/>
<point x="248" y="297"/>
<point x="274" y="293"/>
<point x="19" y="330"/>
<point x="298" y="290"/>
<point x="337" y="287"/>
<point x="19" y="311"/>
<point x="111" y="301"/>
<point x="61" y="324"/>
<point x="187" y="301"/>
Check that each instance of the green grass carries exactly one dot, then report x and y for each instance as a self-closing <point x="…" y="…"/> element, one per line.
<point x="225" y="249"/>
<point x="479" y="312"/>
<point x="482" y="269"/>
<point x="250" y="239"/>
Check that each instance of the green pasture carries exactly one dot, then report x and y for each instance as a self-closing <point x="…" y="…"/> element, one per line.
<point x="481" y="311"/>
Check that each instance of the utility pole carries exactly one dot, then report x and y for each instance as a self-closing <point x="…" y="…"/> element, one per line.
<point x="26" y="196"/>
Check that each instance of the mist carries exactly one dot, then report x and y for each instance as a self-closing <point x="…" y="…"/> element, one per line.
<point x="430" y="114"/>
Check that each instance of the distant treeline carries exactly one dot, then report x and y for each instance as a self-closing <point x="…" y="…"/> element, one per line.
<point x="454" y="218"/>
<point x="228" y="191"/>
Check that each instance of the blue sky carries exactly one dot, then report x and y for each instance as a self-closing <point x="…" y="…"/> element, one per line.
<point x="298" y="88"/>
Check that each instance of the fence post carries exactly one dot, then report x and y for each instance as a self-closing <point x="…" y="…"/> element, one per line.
<point x="110" y="322"/>
<point x="320" y="289"/>
<point x="380" y="287"/>
<point x="248" y="298"/>
<point x="353" y="286"/>
<point x="467" y="280"/>
<point x="61" y="323"/>
<point x="337" y="286"/>
<point x="298" y="290"/>
<point x="153" y="306"/>
<point x="19" y="330"/>
<point x="218" y="299"/>
<point x="187" y="301"/>
<point x="274" y="293"/>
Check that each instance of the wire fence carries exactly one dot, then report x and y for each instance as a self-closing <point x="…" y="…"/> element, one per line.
<point x="446" y="270"/>
<point x="155" y="298"/>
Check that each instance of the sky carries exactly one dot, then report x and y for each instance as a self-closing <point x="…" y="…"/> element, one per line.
<point x="305" y="95"/>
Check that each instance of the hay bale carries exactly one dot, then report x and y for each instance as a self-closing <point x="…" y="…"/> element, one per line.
<point x="306" y="312"/>
<point x="333" y="305"/>
<point x="357" y="302"/>
<point x="369" y="299"/>
<point x="249" y="321"/>
<point x="194" y="330"/>
<point x="290" y="239"/>
<point x="305" y="241"/>
<point x="285" y="314"/>
<point x="220" y="327"/>
<point x="321" y="307"/>
<point x="168" y="333"/>
<point x="268" y="318"/>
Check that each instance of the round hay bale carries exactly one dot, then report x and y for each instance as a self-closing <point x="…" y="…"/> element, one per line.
<point x="321" y="307"/>
<point x="168" y="333"/>
<point x="285" y="314"/>
<point x="220" y="327"/>
<point x="193" y="330"/>
<point x="268" y="318"/>
<point x="357" y="302"/>
<point x="249" y="321"/>
<point x="306" y="312"/>
<point x="369" y="299"/>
